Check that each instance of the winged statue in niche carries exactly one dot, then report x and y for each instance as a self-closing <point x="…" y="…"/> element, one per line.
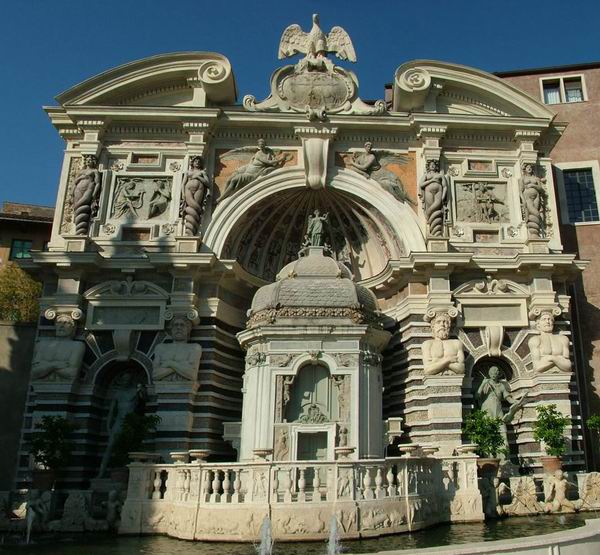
<point x="371" y="164"/>
<point x="316" y="45"/>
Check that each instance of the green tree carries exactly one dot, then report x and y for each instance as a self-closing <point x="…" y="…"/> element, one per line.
<point x="19" y="295"/>
<point x="484" y="430"/>
<point x="549" y="428"/>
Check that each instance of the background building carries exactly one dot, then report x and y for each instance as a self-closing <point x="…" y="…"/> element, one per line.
<point x="573" y="93"/>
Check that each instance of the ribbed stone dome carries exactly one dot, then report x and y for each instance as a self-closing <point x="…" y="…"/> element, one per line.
<point x="313" y="286"/>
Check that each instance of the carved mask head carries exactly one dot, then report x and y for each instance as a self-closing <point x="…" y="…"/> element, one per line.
<point x="545" y="322"/>
<point x="64" y="326"/>
<point x="494" y="374"/>
<point x="180" y="329"/>
<point x="440" y="326"/>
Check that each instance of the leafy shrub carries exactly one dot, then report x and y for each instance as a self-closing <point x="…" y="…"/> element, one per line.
<point x="50" y="445"/>
<point x="549" y="428"/>
<point x="19" y="295"/>
<point x="136" y="428"/>
<point x="485" y="431"/>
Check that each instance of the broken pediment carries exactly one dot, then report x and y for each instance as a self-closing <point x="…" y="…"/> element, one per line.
<point x="440" y="87"/>
<point x="179" y="79"/>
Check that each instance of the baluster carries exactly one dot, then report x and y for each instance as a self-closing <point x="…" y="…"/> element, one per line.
<point x="302" y="486"/>
<point x="205" y="494"/>
<point x="226" y="497"/>
<point x="187" y="479"/>
<point x="287" y="486"/>
<point x="379" y="493"/>
<point x="391" y="489"/>
<point x="275" y="490"/>
<point x="165" y="490"/>
<point x="216" y="486"/>
<point x="331" y="494"/>
<point x="367" y="491"/>
<point x="316" y="485"/>
<point x="156" y="485"/>
<point x="237" y="485"/>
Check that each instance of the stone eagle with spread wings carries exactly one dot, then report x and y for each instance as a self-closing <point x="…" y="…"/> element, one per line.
<point x="316" y="43"/>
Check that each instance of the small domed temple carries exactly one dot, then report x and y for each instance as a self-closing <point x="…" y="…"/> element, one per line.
<point x="311" y="291"/>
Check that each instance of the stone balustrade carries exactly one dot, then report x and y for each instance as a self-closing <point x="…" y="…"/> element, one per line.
<point x="368" y="497"/>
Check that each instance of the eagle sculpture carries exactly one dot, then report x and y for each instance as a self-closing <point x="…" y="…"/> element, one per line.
<point x="316" y="44"/>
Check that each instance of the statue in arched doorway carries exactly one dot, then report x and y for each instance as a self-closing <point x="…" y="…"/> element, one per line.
<point x="491" y="396"/>
<point x="442" y="355"/>
<point x="315" y="230"/>
<point x="179" y="360"/>
<point x="127" y="398"/>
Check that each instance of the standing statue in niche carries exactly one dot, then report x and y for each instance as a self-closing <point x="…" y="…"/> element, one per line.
<point x="264" y="161"/>
<point x="195" y="190"/>
<point x="60" y="358"/>
<point x="549" y="350"/>
<point x="316" y="228"/>
<point x="86" y="194"/>
<point x="533" y="198"/>
<point x="442" y="355"/>
<point x="491" y="395"/>
<point x="128" y="398"/>
<point x="433" y="192"/>
<point x="179" y="360"/>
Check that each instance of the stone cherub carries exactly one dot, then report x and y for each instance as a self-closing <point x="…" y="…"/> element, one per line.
<point x="555" y="495"/>
<point x="433" y="192"/>
<point x="370" y="163"/>
<point x="442" y="355"/>
<point x="533" y="197"/>
<point x="59" y="358"/>
<point x="86" y="194"/>
<point x="549" y="350"/>
<point x="180" y="359"/>
<point x="195" y="188"/>
<point x="263" y="161"/>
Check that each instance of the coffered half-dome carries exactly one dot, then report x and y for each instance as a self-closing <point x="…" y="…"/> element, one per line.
<point x="313" y="286"/>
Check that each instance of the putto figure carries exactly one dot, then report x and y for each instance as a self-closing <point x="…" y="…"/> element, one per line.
<point x="549" y="350"/>
<point x="86" y="193"/>
<point x="180" y="359"/>
<point x="442" y="355"/>
<point x="195" y="190"/>
<point x="533" y="197"/>
<point x="555" y="495"/>
<point x="433" y="192"/>
<point x="58" y="359"/>
<point x="263" y="162"/>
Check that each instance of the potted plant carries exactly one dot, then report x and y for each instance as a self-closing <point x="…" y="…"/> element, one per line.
<point x="485" y="431"/>
<point x="135" y="430"/>
<point x="50" y="448"/>
<point x="549" y="429"/>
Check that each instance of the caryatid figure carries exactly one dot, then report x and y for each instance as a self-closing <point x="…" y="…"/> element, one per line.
<point x="549" y="350"/>
<point x="433" y="192"/>
<point x="180" y="359"/>
<point x="442" y="355"/>
<point x="59" y="358"/>
<point x="85" y="194"/>
<point x="195" y="188"/>
<point x="533" y="198"/>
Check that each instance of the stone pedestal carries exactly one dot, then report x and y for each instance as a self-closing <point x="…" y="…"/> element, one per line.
<point x="437" y="244"/>
<point x="443" y="396"/>
<point x="173" y="400"/>
<point x="188" y="244"/>
<point x="537" y="245"/>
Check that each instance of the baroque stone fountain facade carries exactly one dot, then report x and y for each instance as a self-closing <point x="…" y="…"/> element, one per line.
<point x="309" y="290"/>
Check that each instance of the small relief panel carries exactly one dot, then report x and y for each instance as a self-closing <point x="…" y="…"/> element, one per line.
<point x="141" y="198"/>
<point x="481" y="202"/>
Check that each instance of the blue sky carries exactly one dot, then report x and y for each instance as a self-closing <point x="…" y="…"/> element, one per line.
<point x="48" y="46"/>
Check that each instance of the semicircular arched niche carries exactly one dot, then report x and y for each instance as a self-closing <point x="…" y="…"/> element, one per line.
<point x="270" y="233"/>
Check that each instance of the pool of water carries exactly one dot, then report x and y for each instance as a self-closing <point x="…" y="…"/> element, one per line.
<point x="446" y="534"/>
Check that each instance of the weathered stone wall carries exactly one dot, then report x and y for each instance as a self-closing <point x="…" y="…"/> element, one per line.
<point x="16" y="348"/>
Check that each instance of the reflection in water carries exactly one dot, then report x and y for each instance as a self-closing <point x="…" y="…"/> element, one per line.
<point x="440" y="535"/>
